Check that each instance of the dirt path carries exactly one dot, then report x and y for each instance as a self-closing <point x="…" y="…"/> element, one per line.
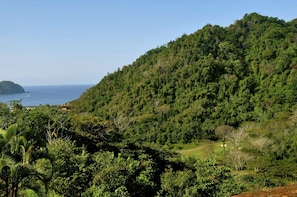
<point x="187" y="151"/>
<point x="285" y="191"/>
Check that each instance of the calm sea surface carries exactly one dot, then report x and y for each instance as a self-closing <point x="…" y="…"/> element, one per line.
<point x="42" y="95"/>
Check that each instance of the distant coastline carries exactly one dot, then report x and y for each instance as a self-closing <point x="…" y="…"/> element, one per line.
<point x="47" y="94"/>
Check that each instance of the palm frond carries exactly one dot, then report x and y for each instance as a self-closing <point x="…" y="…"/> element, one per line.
<point x="6" y="160"/>
<point x="11" y="131"/>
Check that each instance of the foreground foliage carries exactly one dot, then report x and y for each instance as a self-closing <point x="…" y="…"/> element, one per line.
<point x="40" y="157"/>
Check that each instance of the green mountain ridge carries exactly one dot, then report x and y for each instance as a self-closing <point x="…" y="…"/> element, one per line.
<point x="182" y="91"/>
<point x="9" y="87"/>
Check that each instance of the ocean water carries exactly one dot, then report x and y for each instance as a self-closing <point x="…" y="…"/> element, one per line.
<point x="42" y="95"/>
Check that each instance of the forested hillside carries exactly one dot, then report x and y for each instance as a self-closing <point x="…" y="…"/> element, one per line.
<point x="182" y="91"/>
<point x="229" y="91"/>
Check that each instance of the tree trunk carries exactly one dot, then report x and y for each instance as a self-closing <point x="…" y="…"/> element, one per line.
<point x="15" y="187"/>
<point x="224" y="147"/>
<point x="7" y="187"/>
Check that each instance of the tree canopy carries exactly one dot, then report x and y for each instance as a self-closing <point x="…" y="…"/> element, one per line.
<point x="182" y="91"/>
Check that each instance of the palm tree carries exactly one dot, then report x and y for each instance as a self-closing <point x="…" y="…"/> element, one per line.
<point x="18" y="161"/>
<point x="6" y="161"/>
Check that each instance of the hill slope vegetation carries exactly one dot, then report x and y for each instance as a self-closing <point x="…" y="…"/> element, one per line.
<point x="182" y="91"/>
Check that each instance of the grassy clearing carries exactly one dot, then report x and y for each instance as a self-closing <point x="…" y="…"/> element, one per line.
<point x="203" y="150"/>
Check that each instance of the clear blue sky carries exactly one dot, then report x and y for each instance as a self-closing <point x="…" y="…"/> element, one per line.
<point x="49" y="42"/>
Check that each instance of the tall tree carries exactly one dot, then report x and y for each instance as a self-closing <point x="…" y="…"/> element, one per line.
<point x="223" y="133"/>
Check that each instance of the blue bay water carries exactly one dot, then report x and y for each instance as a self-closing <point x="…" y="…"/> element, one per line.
<point x="43" y="95"/>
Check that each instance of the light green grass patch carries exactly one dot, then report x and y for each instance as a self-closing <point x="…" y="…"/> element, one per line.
<point x="203" y="150"/>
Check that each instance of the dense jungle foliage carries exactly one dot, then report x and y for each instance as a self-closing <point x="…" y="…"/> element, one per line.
<point x="231" y="88"/>
<point x="183" y="90"/>
<point x="46" y="151"/>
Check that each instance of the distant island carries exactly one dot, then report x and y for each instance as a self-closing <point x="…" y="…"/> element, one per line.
<point x="9" y="87"/>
